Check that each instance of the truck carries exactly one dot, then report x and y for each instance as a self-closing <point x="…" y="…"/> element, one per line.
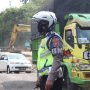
<point x="74" y="27"/>
<point x="17" y="28"/>
<point x="76" y="50"/>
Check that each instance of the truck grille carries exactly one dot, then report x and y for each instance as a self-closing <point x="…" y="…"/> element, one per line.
<point x="87" y="75"/>
<point x="21" y="68"/>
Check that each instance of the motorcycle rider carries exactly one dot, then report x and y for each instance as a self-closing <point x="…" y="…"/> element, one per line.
<point x="50" y="53"/>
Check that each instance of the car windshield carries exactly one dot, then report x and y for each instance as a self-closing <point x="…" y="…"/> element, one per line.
<point x="83" y="35"/>
<point x="16" y="56"/>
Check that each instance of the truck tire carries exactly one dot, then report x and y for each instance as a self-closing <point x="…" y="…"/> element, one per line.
<point x="67" y="84"/>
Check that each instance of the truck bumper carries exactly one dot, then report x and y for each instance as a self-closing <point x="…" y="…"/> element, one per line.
<point x="81" y="78"/>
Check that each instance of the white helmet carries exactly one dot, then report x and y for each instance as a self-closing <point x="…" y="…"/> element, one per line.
<point x="47" y="16"/>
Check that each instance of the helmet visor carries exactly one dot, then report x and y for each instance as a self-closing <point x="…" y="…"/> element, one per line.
<point x="43" y="26"/>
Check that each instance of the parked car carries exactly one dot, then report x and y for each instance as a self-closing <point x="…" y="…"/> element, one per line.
<point x="14" y="62"/>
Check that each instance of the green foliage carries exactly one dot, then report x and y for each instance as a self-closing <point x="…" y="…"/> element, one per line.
<point x="22" y="15"/>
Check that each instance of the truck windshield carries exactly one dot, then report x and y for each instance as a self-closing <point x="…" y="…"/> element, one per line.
<point x="83" y="35"/>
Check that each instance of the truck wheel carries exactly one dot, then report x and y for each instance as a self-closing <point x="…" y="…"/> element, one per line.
<point x="8" y="70"/>
<point x="71" y="86"/>
<point x="67" y="84"/>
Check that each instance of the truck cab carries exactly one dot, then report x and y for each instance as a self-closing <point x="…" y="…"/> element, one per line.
<point x="76" y="50"/>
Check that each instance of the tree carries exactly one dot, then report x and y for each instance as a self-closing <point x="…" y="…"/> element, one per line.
<point x="22" y="15"/>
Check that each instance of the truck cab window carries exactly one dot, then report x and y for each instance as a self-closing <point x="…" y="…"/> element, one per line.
<point x="69" y="38"/>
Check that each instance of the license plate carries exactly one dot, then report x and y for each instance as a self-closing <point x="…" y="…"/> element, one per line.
<point x="22" y="68"/>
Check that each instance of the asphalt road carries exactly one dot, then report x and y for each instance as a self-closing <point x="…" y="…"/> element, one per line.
<point x="21" y="81"/>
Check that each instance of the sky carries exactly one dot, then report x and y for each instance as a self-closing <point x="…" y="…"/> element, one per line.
<point x="9" y="3"/>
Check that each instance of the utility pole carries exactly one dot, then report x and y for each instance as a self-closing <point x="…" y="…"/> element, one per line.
<point x="10" y="3"/>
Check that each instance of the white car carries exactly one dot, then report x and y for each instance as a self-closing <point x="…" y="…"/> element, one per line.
<point x="14" y="62"/>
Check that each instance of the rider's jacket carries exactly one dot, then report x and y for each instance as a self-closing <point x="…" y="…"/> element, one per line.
<point x="50" y="47"/>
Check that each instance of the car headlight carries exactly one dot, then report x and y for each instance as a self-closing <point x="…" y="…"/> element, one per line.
<point x="28" y="63"/>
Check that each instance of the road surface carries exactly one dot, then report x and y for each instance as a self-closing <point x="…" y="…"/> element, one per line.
<point x="21" y="81"/>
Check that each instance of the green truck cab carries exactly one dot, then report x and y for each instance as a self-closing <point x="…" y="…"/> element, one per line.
<point x="76" y="49"/>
